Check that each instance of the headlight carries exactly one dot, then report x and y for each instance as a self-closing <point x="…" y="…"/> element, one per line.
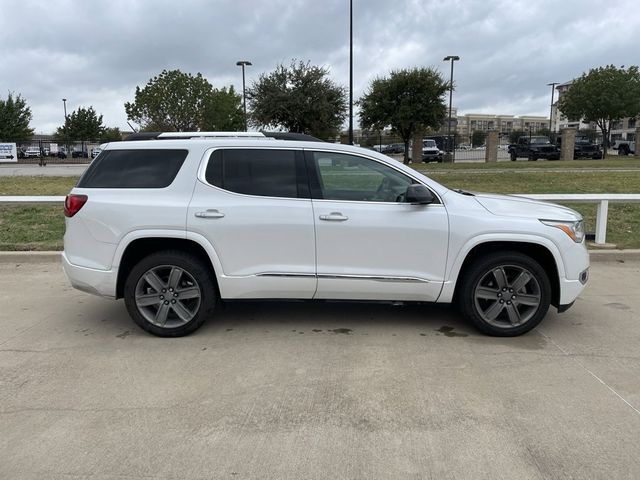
<point x="575" y="230"/>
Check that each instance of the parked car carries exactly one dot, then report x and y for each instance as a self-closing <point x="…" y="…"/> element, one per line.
<point x="393" y="148"/>
<point x="95" y="151"/>
<point x="534" y="148"/>
<point x="32" y="152"/>
<point x="585" y="148"/>
<point x="211" y="218"/>
<point x="79" y="154"/>
<point x="431" y="152"/>
<point x="625" y="147"/>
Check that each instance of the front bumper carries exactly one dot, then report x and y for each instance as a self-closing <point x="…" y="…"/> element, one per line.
<point x="90" y="280"/>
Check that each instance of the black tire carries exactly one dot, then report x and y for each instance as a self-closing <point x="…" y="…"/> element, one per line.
<point x="479" y="270"/>
<point x="623" y="150"/>
<point x="198" y="274"/>
<point x="532" y="157"/>
<point x="514" y="157"/>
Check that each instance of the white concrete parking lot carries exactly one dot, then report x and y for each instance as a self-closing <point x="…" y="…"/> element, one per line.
<point x="316" y="391"/>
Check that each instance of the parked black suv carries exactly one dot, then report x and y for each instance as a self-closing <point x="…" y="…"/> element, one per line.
<point x="534" y="148"/>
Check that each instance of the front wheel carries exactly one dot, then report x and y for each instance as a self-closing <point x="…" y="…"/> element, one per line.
<point x="513" y="156"/>
<point x="170" y="293"/>
<point x="505" y="294"/>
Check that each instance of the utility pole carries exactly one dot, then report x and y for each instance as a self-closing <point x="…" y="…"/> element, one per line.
<point x="350" y="72"/>
<point x="243" y="63"/>
<point x="452" y="58"/>
<point x="553" y="91"/>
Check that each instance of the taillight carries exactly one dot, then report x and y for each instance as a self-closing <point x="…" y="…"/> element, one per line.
<point x="73" y="203"/>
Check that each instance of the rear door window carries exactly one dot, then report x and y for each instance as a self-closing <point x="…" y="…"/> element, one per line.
<point x="255" y="171"/>
<point x="139" y="168"/>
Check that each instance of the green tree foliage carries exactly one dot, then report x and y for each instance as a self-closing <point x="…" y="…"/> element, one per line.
<point x="181" y="102"/>
<point x="602" y="95"/>
<point x="408" y="101"/>
<point x="477" y="138"/>
<point x="81" y="124"/>
<point x="300" y="98"/>
<point x="514" y="135"/>
<point x="15" y="116"/>
<point x="223" y="111"/>
<point x="110" y="135"/>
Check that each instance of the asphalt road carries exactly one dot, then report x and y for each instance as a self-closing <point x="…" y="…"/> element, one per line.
<point x="316" y="391"/>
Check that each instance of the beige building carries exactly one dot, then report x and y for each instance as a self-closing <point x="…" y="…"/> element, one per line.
<point x="504" y="124"/>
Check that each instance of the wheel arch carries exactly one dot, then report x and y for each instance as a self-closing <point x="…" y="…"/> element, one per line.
<point x="538" y="252"/>
<point x="129" y="253"/>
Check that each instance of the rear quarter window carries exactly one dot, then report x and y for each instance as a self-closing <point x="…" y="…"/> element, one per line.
<point x="139" y="168"/>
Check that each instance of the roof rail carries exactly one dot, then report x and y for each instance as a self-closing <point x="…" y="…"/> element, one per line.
<point x="248" y="135"/>
<point x="210" y="134"/>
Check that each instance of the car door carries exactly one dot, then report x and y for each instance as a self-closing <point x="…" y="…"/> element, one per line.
<point x="370" y="243"/>
<point x="253" y="206"/>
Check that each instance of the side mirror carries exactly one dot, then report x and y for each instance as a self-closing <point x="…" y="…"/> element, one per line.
<point x="418" y="194"/>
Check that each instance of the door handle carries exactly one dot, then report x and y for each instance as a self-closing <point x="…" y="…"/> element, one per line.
<point x="334" y="217"/>
<point x="211" y="213"/>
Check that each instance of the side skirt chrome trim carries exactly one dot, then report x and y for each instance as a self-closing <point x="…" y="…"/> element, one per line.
<point x="346" y="277"/>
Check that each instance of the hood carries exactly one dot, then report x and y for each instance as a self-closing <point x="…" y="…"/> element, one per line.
<point x="511" y="206"/>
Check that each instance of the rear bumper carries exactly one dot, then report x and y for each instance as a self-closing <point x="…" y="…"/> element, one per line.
<point x="91" y="280"/>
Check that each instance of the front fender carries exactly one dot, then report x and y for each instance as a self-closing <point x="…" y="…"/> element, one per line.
<point x="453" y="269"/>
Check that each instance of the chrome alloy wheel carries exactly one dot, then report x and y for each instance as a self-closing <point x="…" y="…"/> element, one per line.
<point x="167" y="296"/>
<point x="507" y="296"/>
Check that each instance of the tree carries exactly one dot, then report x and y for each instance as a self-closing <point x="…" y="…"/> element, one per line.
<point x="110" y="135"/>
<point x="223" y="111"/>
<point x="603" y="95"/>
<point x="81" y="124"/>
<point x="408" y="101"/>
<point x="300" y="98"/>
<point x="514" y="135"/>
<point x="171" y="101"/>
<point x="477" y="138"/>
<point x="15" y="116"/>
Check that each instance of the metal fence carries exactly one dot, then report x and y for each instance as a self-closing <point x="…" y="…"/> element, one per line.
<point x="52" y="152"/>
<point x="450" y="149"/>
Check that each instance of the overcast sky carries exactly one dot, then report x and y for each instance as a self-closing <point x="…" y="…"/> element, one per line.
<point x="95" y="52"/>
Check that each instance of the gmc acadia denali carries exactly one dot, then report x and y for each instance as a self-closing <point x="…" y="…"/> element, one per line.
<point x="175" y="223"/>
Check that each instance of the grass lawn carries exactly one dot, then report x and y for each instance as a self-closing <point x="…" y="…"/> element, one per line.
<point x="30" y="227"/>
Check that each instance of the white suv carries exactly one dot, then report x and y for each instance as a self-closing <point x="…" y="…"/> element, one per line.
<point x="176" y="223"/>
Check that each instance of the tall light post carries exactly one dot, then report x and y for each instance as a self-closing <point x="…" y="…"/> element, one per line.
<point x="350" y="72"/>
<point x="553" y="90"/>
<point x="243" y="63"/>
<point x="64" y="103"/>
<point x="451" y="58"/>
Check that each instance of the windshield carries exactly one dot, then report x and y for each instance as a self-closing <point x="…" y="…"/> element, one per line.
<point x="430" y="144"/>
<point x="539" y="140"/>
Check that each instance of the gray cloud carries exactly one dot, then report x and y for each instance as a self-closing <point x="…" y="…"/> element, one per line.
<point x="95" y="52"/>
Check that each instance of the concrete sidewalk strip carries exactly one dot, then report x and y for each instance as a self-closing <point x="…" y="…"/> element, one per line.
<point x="277" y="390"/>
<point x="597" y="255"/>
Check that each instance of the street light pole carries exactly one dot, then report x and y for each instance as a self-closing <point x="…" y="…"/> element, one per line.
<point x="553" y="90"/>
<point x="350" y="72"/>
<point x="64" y="103"/>
<point x="243" y="63"/>
<point x="451" y="58"/>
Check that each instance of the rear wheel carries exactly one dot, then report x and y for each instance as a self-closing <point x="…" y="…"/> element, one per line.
<point x="513" y="156"/>
<point x="170" y="293"/>
<point x="623" y="150"/>
<point x="505" y="294"/>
